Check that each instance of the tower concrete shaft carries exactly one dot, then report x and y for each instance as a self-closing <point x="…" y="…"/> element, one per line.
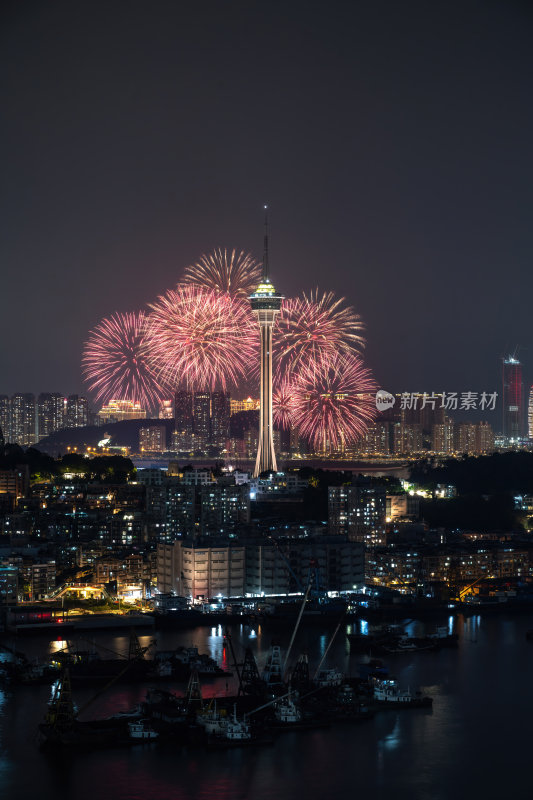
<point x="266" y="303"/>
<point x="266" y="456"/>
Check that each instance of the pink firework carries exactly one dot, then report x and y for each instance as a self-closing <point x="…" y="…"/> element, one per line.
<point x="200" y="338"/>
<point x="115" y="364"/>
<point x="225" y="271"/>
<point x="283" y="404"/>
<point x="312" y="330"/>
<point x="334" y="402"/>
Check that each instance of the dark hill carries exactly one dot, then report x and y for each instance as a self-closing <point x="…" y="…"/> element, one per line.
<point x="123" y="434"/>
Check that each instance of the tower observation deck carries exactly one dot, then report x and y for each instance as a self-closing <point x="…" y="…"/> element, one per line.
<point x="266" y="303"/>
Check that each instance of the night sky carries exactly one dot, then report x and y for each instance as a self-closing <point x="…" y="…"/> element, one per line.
<point x="392" y="141"/>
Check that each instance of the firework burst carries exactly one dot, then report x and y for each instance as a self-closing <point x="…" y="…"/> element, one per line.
<point x="225" y="271"/>
<point x="115" y="364"/>
<point x="200" y="338"/>
<point x="333" y="402"/>
<point x="312" y="330"/>
<point x="282" y="404"/>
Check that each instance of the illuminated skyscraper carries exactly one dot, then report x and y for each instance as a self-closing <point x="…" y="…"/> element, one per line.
<point x="530" y="414"/>
<point x="183" y="412"/>
<point x="220" y="414"/>
<point x="513" y="410"/>
<point x="202" y="417"/>
<point x="152" y="439"/>
<point x="77" y="411"/>
<point x="266" y="303"/>
<point x="5" y="414"/>
<point x="22" y="428"/>
<point x="51" y="413"/>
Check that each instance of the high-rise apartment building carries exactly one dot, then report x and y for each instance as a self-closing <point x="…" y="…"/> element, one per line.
<point x="484" y="438"/>
<point x="513" y="410"/>
<point x="358" y="512"/>
<point x="407" y="438"/>
<point x="5" y="413"/>
<point x="77" y="411"/>
<point x="466" y="438"/>
<point x="220" y="418"/>
<point x="223" y="508"/>
<point x="202" y="417"/>
<point x="22" y="428"/>
<point x="183" y="412"/>
<point x="51" y="413"/>
<point x="152" y="439"/>
<point x="442" y="439"/>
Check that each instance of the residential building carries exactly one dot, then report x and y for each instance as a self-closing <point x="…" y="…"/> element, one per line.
<point x="152" y="439"/>
<point x="77" y="411"/>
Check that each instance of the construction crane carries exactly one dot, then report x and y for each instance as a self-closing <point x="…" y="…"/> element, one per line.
<point x="465" y="591"/>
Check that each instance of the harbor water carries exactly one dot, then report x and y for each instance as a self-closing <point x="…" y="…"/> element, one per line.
<point x="475" y="742"/>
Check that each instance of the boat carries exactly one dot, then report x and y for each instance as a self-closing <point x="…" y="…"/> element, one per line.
<point x="347" y="707"/>
<point x="387" y="692"/>
<point x="166" y="708"/>
<point x="181" y="662"/>
<point x="211" y="719"/>
<point x="287" y="712"/>
<point x="229" y="731"/>
<point x="142" y="730"/>
<point x="406" y="644"/>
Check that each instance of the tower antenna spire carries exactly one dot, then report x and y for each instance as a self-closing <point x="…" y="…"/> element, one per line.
<point x="265" y="247"/>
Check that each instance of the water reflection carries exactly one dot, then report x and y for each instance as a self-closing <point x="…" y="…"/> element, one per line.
<point x="400" y="754"/>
